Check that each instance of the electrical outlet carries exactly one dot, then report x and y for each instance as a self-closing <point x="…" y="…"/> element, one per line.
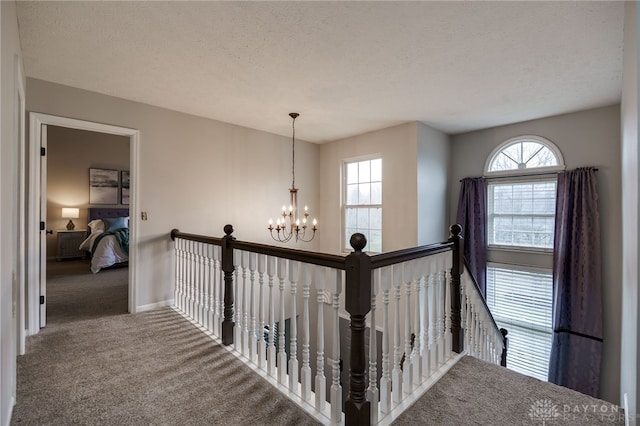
<point x="143" y="215"/>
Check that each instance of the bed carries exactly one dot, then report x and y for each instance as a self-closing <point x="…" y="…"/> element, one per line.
<point x="108" y="239"/>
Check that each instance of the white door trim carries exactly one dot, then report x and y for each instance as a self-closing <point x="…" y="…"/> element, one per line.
<point x="36" y="121"/>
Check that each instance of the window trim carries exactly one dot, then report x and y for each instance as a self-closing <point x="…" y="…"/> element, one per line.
<point x="532" y="171"/>
<point x="344" y="246"/>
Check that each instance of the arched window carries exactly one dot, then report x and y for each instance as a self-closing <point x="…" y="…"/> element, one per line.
<point x="521" y="200"/>
<point x="524" y="154"/>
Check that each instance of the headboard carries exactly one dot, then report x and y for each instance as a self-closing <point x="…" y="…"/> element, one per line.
<point x="106" y="212"/>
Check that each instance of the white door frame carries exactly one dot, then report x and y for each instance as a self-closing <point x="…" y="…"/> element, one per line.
<point x="36" y="121"/>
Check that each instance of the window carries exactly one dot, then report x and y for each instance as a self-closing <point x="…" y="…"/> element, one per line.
<point x="363" y="202"/>
<point x="520" y="300"/>
<point x="524" y="154"/>
<point x="521" y="204"/>
<point x="521" y="214"/>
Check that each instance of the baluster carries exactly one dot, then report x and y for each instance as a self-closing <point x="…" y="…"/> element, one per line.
<point x="447" y="316"/>
<point x="416" y="359"/>
<point x="237" y="332"/>
<point x="199" y="284"/>
<point x="194" y="281"/>
<point x="305" y="371"/>
<point x="253" y="331"/>
<point x="271" y="354"/>
<point x="426" y="367"/>
<point x="336" y="387"/>
<point x="321" y="381"/>
<point x="178" y="290"/>
<point x="441" y="315"/>
<point x="244" y="260"/>
<point x="190" y="291"/>
<point x="385" y="380"/>
<point x="262" y="344"/>
<point x="397" y="355"/>
<point x="282" y="354"/>
<point x="206" y="280"/>
<point x="293" y="345"/>
<point x="217" y="289"/>
<point x="372" y="391"/>
<point x="407" y="376"/>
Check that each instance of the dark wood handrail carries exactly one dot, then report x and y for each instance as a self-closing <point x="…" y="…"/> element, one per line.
<point x="404" y="255"/>
<point x="175" y="233"/>
<point x="322" y="259"/>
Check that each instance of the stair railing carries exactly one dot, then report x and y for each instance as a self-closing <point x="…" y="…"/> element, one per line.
<point x="411" y="304"/>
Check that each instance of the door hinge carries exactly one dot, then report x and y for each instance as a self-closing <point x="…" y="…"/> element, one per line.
<point x="42" y="300"/>
<point x="43" y="151"/>
<point x="42" y="226"/>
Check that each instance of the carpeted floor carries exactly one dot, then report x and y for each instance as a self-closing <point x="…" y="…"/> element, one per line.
<point x="474" y="392"/>
<point x="96" y="365"/>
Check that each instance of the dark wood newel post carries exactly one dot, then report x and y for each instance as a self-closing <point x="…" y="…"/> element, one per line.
<point x="227" y="267"/>
<point x="457" y="341"/>
<point x="358" y="303"/>
<point x="503" y="358"/>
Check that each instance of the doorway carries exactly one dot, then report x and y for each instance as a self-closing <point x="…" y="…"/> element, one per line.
<point x="37" y="223"/>
<point x="74" y="292"/>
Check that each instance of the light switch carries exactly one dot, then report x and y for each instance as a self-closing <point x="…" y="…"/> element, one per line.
<point x="143" y="215"/>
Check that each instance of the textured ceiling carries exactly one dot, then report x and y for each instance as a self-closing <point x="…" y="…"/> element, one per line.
<point x="346" y="67"/>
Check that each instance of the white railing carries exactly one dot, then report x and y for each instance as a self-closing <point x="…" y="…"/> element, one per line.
<point x="286" y="319"/>
<point x="483" y="338"/>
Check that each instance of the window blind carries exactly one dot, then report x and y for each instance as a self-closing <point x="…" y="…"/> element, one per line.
<point x="521" y="300"/>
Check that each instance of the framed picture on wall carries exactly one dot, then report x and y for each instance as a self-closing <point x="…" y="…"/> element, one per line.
<point x="103" y="186"/>
<point x="124" y="194"/>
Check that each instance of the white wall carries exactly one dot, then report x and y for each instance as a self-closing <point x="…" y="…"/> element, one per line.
<point x="587" y="138"/>
<point x="195" y="174"/>
<point x="630" y="331"/>
<point x="11" y="58"/>
<point x="433" y="168"/>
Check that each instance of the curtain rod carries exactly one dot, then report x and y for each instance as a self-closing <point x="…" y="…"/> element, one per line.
<point x="525" y="175"/>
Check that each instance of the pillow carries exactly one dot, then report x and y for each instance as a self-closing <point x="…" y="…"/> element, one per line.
<point x="114" y="223"/>
<point x="96" y="225"/>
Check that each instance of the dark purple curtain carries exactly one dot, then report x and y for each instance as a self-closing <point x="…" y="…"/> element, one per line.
<point x="472" y="215"/>
<point x="576" y="351"/>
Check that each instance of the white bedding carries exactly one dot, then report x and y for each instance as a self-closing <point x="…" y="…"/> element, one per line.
<point x="108" y="251"/>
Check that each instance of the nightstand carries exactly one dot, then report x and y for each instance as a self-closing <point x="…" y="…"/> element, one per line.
<point x="69" y="243"/>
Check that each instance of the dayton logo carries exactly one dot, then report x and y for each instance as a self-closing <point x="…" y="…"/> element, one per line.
<point x="543" y="410"/>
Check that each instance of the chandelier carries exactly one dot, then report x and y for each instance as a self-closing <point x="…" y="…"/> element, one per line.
<point x="290" y="225"/>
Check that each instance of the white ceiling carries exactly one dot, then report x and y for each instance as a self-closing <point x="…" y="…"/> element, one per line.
<point x="346" y="67"/>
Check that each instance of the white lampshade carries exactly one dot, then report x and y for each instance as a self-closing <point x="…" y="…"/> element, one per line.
<point x="70" y="212"/>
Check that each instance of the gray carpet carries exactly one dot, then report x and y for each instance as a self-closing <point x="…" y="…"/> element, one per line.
<point x="93" y="365"/>
<point x="477" y="393"/>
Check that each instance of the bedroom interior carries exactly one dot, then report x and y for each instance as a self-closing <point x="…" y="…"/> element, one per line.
<point x="198" y="174"/>
<point x="71" y="154"/>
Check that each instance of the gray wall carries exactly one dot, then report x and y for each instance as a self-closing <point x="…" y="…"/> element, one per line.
<point x="194" y="174"/>
<point x="433" y="170"/>
<point x="70" y="154"/>
<point x="630" y="212"/>
<point x="11" y="261"/>
<point x="588" y="138"/>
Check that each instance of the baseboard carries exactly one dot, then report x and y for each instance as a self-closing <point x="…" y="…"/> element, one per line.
<point x="152" y="306"/>
<point x="12" y="403"/>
